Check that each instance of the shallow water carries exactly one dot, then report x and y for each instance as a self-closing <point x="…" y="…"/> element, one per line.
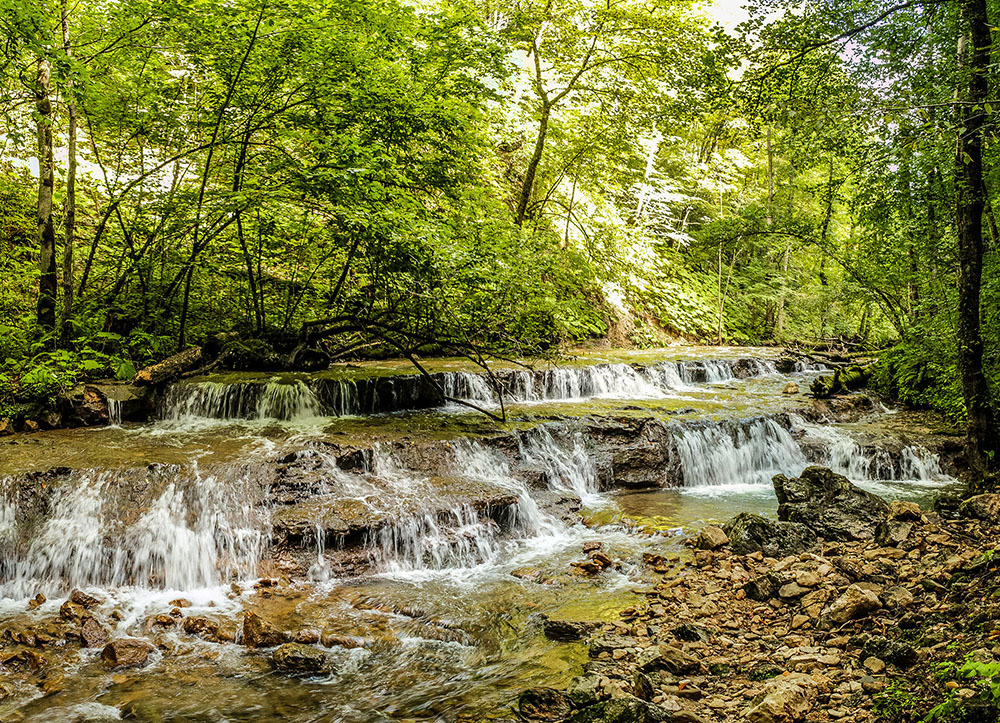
<point x="448" y="611"/>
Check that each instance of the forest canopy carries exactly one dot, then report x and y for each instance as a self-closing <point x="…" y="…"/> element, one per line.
<point x="392" y="177"/>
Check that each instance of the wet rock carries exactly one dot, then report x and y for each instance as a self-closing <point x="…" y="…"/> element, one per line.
<point x="306" y="637"/>
<point x="669" y="658"/>
<point x="330" y="639"/>
<point x="36" y="601"/>
<point x="180" y="603"/>
<point x="259" y="633"/>
<point x="790" y="388"/>
<point x="711" y="538"/>
<point x="93" y="633"/>
<point x="565" y="631"/>
<point x="984" y="507"/>
<point x="762" y="588"/>
<point x="52" y="684"/>
<point x="202" y="627"/>
<point x="126" y="653"/>
<point x="159" y="622"/>
<point x="750" y="533"/>
<point x="829" y="504"/>
<point x="621" y="710"/>
<point x="544" y="704"/>
<point x="24" y="660"/>
<point x="856" y="602"/>
<point x="784" y="700"/>
<point x="299" y="658"/>
<point x="84" y="600"/>
<point x="6" y="427"/>
<point x="72" y="612"/>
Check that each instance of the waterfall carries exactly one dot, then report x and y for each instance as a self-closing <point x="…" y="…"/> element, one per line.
<point x="272" y="400"/>
<point x="114" y="411"/>
<point x="843" y="454"/>
<point x="567" y="467"/>
<point x="724" y="454"/>
<point x="198" y="531"/>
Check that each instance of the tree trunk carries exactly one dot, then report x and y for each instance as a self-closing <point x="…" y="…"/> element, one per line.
<point x="982" y="438"/>
<point x="536" y="158"/>
<point x="70" y="202"/>
<point x="47" y="281"/>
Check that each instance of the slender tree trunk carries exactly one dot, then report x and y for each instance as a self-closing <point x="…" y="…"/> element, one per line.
<point x="982" y="439"/>
<point x="47" y="280"/>
<point x="532" y="170"/>
<point x="69" y="219"/>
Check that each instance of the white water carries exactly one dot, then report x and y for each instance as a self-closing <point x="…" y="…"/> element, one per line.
<point x="195" y="533"/>
<point x="721" y="455"/>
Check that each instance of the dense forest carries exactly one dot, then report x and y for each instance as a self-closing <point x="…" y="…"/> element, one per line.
<point x="452" y="177"/>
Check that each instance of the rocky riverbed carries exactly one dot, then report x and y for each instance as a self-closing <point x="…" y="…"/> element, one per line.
<point x="846" y="608"/>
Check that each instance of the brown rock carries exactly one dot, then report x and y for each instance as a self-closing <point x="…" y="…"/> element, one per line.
<point x="299" y="658"/>
<point x="857" y="602"/>
<point x="36" y="601"/>
<point x="711" y="538"/>
<point x="180" y="603"/>
<point x="330" y="639"/>
<point x="84" y="600"/>
<point x="72" y="612"/>
<point x="24" y="660"/>
<point x="159" y="622"/>
<point x="904" y="511"/>
<point x="201" y="626"/>
<point x="258" y="633"/>
<point x="126" y="653"/>
<point x="93" y="633"/>
<point x="784" y="700"/>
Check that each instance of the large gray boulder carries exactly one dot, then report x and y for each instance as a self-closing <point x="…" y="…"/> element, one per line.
<point x="752" y="533"/>
<point x="829" y="504"/>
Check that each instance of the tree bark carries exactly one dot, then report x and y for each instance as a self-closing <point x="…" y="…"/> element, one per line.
<point x="532" y="170"/>
<point x="982" y="438"/>
<point x="69" y="219"/>
<point x="47" y="281"/>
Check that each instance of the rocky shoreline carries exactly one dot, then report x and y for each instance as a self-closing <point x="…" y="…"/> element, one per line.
<point x="846" y="608"/>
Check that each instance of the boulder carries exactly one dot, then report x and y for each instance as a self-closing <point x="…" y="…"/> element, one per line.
<point x="126" y="653"/>
<point x="586" y="690"/>
<point x="202" y="627"/>
<point x="83" y="599"/>
<point x="544" y="704"/>
<point x="829" y="504"/>
<point x="711" y="538"/>
<point x="784" y="700"/>
<point x="300" y="659"/>
<point x="621" y="710"/>
<point x="259" y="633"/>
<point x="985" y="507"/>
<point x="856" y="602"/>
<point x="752" y="533"/>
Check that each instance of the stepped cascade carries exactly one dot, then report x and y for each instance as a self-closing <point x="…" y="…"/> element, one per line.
<point x="405" y="524"/>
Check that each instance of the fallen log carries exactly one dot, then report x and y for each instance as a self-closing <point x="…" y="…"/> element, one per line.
<point x="168" y="369"/>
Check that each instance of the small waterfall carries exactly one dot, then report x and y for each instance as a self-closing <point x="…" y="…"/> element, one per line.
<point x="466" y="385"/>
<point x="114" y="411"/>
<point x="283" y="401"/>
<point x="195" y="532"/>
<point x="749" y="453"/>
<point x="804" y="366"/>
<point x="567" y="466"/>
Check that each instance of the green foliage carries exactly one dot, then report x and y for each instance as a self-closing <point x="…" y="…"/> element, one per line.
<point x="984" y="677"/>
<point x="895" y="704"/>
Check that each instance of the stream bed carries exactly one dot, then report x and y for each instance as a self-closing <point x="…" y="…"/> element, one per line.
<point x="420" y="547"/>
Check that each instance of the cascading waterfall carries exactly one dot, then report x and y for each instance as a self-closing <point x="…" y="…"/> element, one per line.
<point x="724" y="454"/>
<point x="197" y="532"/>
<point x="273" y="400"/>
<point x="567" y="467"/>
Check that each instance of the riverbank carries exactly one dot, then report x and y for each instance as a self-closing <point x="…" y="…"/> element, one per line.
<point x="758" y="624"/>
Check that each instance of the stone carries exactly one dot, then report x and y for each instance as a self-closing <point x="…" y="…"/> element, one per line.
<point x="6" y="427"/>
<point x="897" y="597"/>
<point x="126" y="653"/>
<point x="622" y="710"/>
<point x="829" y="504"/>
<point x="259" y="633"/>
<point x="893" y="533"/>
<point x="93" y="633"/>
<point x="159" y="622"/>
<point x="790" y="388"/>
<point x="669" y="658"/>
<point x="586" y="690"/>
<point x="762" y="588"/>
<point x="750" y="533"/>
<point x="300" y="659"/>
<point x="306" y="637"/>
<point x="642" y="687"/>
<point x="792" y="590"/>
<point x="984" y="507"/>
<point x="856" y="602"/>
<point x="24" y="660"/>
<point x="544" y="704"/>
<point x="784" y="700"/>
<point x="84" y="600"/>
<point x="896" y="652"/>
<point x="711" y="538"/>
<point x="202" y="627"/>
<point x="874" y="665"/>
<point x="565" y="631"/>
<point x="904" y="511"/>
<point x="180" y="603"/>
<point x="71" y="612"/>
<point x="691" y="633"/>
<point x="36" y="601"/>
<point x="329" y="639"/>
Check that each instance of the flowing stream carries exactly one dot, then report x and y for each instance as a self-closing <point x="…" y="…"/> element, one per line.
<point x="422" y="543"/>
